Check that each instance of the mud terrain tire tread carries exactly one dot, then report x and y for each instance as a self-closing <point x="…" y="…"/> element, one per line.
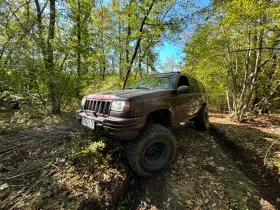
<point x="136" y="148"/>
<point x="201" y="121"/>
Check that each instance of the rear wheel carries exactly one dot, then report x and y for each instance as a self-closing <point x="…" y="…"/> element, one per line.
<point x="201" y="121"/>
<point x="152" y="151"/>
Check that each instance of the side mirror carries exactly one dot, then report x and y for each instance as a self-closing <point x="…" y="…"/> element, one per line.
<point x="183" y="89"/>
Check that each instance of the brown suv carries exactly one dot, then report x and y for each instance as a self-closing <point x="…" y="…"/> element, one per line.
<point x="141" y="114"/>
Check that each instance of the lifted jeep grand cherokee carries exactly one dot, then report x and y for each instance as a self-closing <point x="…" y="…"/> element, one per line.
<point x="141" y="114"/>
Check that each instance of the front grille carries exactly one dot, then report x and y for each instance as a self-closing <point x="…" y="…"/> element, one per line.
<point x="97" y="108"/>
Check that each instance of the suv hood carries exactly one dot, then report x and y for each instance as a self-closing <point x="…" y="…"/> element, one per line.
<point x="131" y="94"/>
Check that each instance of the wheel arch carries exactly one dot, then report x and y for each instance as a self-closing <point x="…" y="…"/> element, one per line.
<point x="162" y="117"/>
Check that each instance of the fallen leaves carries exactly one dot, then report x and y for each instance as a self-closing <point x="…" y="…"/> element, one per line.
<point x="64" y="175"/>
<point x="201" y="176"/>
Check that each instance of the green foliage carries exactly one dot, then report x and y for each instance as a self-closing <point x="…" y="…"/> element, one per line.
<point x="59" y="57"/>
<point x="121" y="205"/>
<point x="203" y="61"/>
<point x="111" y="82"/>
<point x="235" y="54"/>
<point x="93" y="147"/>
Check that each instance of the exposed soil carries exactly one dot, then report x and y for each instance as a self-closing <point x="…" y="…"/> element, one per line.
<point x="202" y="176"/>
<point x="255" y="149"/>
<point x="212" y="171"/>
<point x="233" y="166"/>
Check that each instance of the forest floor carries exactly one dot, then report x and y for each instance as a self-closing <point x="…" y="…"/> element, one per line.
<point x="55" y="164"/>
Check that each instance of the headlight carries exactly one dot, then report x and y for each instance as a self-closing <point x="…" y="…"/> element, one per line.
<point x="83" y="102"/>
<point x="121" y="106"/>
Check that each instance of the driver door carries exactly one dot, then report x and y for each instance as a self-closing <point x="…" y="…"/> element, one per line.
<point x="183" y="103"/>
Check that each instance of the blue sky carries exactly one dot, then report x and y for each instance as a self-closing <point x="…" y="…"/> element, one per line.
<point x="173" y="50"/>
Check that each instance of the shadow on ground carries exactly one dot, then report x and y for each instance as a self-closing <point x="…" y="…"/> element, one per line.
<point x="253" y="152"/>
<point x="203" y="176"/>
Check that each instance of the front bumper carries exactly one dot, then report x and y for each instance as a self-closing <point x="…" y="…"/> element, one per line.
<point x="118" y="128"/>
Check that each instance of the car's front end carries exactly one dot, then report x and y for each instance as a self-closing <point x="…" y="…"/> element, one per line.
<point x="114" y="118"/>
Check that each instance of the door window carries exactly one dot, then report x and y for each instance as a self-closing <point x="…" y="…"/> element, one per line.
<point x="183" y="81"/>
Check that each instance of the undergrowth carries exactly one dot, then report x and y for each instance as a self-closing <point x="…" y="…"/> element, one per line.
<point x="82" y="168"/>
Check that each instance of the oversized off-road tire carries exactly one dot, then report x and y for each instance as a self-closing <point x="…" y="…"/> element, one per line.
<point x="151" y="151"/>
<point x="201" y="121"/>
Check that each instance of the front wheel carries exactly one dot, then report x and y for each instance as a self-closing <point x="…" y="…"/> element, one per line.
<point x="152" y="151"/>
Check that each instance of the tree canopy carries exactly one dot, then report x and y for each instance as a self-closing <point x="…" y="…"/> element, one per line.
<point x="57" y="51"/>
<point x="235" y="51"/>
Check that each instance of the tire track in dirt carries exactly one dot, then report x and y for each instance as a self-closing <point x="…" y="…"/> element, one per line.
<point x="266" y="179"/>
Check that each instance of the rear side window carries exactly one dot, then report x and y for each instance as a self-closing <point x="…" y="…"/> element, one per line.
<point x="194" y="86"/>
<point x="183" y="81"/>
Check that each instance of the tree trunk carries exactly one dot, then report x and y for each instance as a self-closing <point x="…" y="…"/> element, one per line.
<point x="78" y="49"/>
<point x="49" y="63"/>
<point x="137" y="45"/>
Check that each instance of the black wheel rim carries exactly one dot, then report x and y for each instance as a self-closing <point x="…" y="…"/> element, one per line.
<point x="155" y="154"/>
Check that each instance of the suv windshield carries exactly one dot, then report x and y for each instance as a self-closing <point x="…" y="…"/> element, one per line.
<point x="155" y="82"/>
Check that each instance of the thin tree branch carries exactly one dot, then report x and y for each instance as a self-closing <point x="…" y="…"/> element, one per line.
<point x="137" y="44"/>
<point x="266" y="154"/>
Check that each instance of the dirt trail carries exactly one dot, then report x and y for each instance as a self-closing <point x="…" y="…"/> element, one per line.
<point x="202" y="176"/>
<point x="266" y="180"/>
<point x="255" y="149"/>
<point x="211" y="172"/>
